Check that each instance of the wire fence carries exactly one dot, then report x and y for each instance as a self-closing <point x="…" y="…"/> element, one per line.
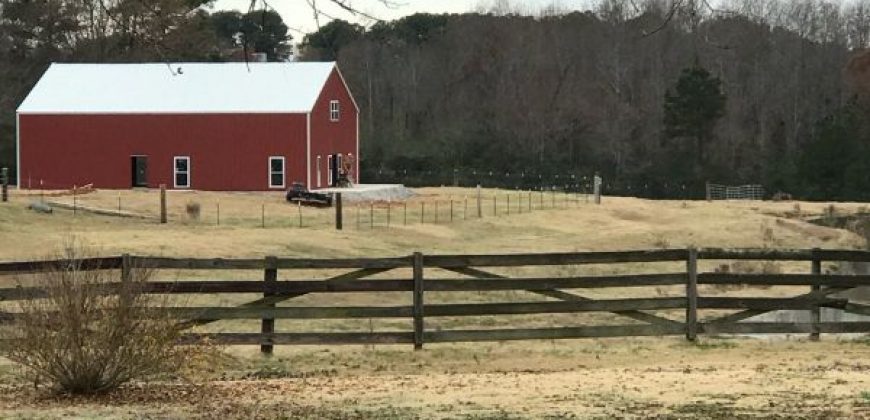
<point x="271" y="210"/>
<point x="735" y="192"/>
<point x="529" y="180"/>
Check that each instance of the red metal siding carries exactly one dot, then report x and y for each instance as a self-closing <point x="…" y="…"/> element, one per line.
<point x="329" y="137"/>
<point x="229" y="152"/>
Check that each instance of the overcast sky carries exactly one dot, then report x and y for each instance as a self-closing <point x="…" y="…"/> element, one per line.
<point x="299" y="16"/>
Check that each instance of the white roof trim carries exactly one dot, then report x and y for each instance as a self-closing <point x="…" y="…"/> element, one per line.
<point x="343" y="82"/>
<point x="153" y="88"/>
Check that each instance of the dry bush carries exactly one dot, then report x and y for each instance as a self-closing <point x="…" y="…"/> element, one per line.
<point x="193" y="210"/>
<point x="795" y="212"/>
<point x="768" y="238"/>
<point x="661" y="241"/>
<point x="85" y="332"/>
<point x="781" y="196"/>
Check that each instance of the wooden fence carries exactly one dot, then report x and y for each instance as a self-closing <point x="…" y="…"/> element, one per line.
<point x="475" y="275"/>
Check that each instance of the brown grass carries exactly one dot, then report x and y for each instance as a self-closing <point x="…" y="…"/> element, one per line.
<point x="588" y="378"/>
<point x="619" y="223"/>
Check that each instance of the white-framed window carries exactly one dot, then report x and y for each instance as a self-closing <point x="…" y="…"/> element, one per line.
<point x="276" y="172"/>
<point x="181" y="171"/>
<point x="329" y="167"/>
<point x="318" y="171"/>
<point x="334" y="110"/>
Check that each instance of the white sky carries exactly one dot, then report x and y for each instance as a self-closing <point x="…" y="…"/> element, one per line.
<point x="298" y="15"/>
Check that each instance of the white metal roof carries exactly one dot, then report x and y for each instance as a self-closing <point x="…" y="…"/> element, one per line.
<point x="161" y="88"/>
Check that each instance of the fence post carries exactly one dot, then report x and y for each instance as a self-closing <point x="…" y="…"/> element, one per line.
<point x="4" y="184"/>
<point x="162" y="203"/>
<point x="405" y="211"/>
<point x="217" y="205"/>
<point x="816" y="312"/>
<point x="479" y="204"/>
<point x="692" y="295"/>
<point x="339" y="213"/>
<point x="75" y="200"/>
<point x="119" y="201"/>
<point x="508" y="204"/>
<point x="268" y="324"/>
<point x="418" y="301"/>
<point x="299" y="208"/>
<point x="372" y="215"/>
<point x="126" y="278"/>
<point x="451" y="209"/>
<point x="389" y="209"/>
<point x="422" y="212"/>
<point x="436" y="212"/>
<point x="530" y="201"/>
<point x="263" y="216"/>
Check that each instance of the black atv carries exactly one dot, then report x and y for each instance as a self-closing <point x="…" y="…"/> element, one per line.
<point x="298" y="194"/>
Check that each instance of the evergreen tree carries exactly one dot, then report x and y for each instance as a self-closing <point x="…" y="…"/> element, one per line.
<point x="692" y="110"/>
<point x="834" y="165"/>
<point x="330" y="39"/>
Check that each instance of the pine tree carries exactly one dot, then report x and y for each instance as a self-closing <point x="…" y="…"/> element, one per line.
<point x="692" y="110"/>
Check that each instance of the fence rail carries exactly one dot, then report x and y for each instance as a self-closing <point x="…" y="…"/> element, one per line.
<point x="415" y="276"/>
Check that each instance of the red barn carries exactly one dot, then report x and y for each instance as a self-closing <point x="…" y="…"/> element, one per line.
<point x="206" y="126"/>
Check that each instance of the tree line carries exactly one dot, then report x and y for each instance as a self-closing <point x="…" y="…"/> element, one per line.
<point x="645" y="92"/>
<point x="756" y="93"/>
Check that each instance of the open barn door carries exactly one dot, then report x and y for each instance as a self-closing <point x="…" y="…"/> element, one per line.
<point x="139" y="165"/>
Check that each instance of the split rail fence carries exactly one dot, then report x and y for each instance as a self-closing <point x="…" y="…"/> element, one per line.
<point x="473" y="273"/>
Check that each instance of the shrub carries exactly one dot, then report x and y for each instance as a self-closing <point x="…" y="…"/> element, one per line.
<point x="193" y="210"/>
<point x="84" y="332"/>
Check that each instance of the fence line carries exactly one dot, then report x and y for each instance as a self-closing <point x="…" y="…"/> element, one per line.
<point x="474" y="278"/>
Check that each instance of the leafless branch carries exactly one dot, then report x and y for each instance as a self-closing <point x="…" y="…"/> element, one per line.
<point x="671" y="13"/>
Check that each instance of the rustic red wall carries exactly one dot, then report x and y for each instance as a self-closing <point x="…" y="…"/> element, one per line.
<point x="329" y="137"/>
<point x="228" y="152"/>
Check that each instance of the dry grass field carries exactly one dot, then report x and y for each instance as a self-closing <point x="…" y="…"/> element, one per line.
<point x="619" y="223"/>
<point x="786" y="377"/>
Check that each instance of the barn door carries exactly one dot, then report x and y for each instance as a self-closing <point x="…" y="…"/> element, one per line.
<point x="140" y="171"/>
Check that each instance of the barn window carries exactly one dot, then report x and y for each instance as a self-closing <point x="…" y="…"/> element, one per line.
<point x="276" y="172"/>
<point x="182" y="171"/>
<point x="334" y="110"/>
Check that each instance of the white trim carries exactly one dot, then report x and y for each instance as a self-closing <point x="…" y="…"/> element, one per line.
<point x="170" y="112"/>
<point x="283" y="172"/>
<point x="318" y="167"/>
<point x="352" y="100"/>
<point x="18" y="150"/>
<point x="337" y="110"/>
<point x="175" y="172"/>
<point x="308" y="150"/>
<point x="356" y="173"/>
